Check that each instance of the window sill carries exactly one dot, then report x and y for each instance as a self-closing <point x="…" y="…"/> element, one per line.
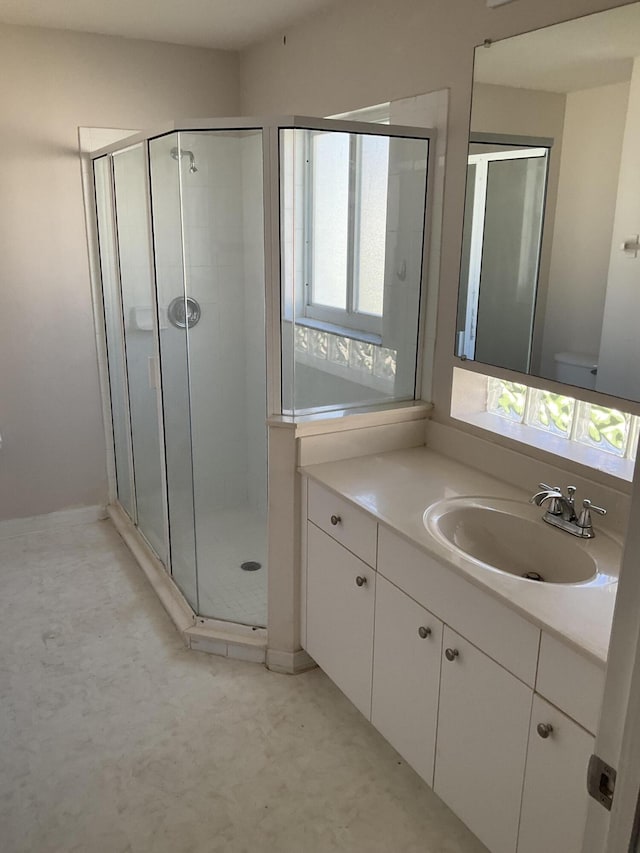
<point x="344" y="419"/>
<point x="343" y="331"/>
<point x="608" y="463"/>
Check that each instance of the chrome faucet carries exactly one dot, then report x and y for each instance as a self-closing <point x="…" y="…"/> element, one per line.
<point x="562" y="510"/>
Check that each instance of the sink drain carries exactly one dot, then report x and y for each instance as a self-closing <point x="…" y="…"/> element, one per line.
<point x="533" y="576"/>
<point x="250" y="566"/>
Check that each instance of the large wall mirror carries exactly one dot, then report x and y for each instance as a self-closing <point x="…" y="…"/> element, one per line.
<point x="550" y="272"/>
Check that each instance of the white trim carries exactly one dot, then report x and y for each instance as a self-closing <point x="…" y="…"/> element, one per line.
<point x="476" y="243"/>
<point x="617" y="740"/>
<point x="227" y="640"/>
<point x="339" y="420"/>
<point x="274" y="302"/>
<point x="199" y="641"/>
<point x="231" y="632"/>
<point x="97" y="306"/>
<point x="378" y="114"/>
<point x="520" y="154"/>
<point x="50" y="521"/>
<point x="257" y="122"/>
<point x="170" y="596"/>
<point x="155" y="322"/>
<point x="289" y="663"/>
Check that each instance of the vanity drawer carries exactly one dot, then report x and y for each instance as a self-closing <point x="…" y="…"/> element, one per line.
<point x="496" y="629"/>
<point x="571" y="682"/>
<point x="348" y="525"/>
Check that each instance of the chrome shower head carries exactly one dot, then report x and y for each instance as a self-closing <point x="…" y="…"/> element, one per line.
<point x="177" y="153"/>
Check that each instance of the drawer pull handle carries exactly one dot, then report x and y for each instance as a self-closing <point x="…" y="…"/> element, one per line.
<point x="451" y="654"/>
<point x="423" y="632"/>
<point x="360" y="581"/>
<point x="544" y="729"/>
<point x="335" y="519"/>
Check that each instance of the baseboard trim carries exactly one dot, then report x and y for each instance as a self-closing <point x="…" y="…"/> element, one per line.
<point x="289" y="663"/>
<point x="228" y="643"/>
<point x="170" y="596"/>
<point x="62" y="518"/>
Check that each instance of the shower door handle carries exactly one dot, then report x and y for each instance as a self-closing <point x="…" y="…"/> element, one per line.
<point x="153" y="373"/>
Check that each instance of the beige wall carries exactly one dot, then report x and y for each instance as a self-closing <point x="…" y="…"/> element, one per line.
<point x="592" y="144"/>
<point x="524" y="112"/>
<point x="365" y="52"/>
<point x="53" y="453"/>
<point x="620" y="342"/>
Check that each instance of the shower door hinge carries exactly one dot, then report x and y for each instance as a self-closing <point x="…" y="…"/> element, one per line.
<point x="601" y="781"/>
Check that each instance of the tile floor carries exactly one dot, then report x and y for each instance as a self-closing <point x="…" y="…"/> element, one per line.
<point x="116" y="739"/>
<point x="230" y="538"/>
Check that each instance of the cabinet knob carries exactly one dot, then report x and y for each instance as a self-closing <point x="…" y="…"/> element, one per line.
<point x="360" y="581"/>
<point x="335" y="519"/>
<point x="544" y="729"/>
<point x="451" y="654"/>
<point x="423" y="632"/>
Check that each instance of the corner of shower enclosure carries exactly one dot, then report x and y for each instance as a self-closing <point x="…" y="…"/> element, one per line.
<point x="181" y="235"/>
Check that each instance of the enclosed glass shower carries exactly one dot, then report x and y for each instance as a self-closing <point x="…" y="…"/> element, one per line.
<point x="248" y="270"/>
<point x="181" y="242"/>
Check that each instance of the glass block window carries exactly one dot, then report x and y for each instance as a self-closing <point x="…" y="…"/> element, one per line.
<point x="608" y="430"/>
<point x="364" y="358"/>
<point x="507" y="399"/>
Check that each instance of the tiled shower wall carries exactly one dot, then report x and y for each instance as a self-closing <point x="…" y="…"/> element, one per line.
<point x="225" y="272"/>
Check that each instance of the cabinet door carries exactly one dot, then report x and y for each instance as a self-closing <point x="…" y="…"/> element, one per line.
<point x="554" y="804"/>
<point x="483" y="727"/>
<point x="340" y="601"/>
<point x="406" y="676"/>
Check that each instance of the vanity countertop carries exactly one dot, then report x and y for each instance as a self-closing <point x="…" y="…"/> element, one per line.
<point x="398" y="486"/>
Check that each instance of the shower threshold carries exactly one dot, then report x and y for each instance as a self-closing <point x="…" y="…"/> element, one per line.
<point x="213" y="636"/>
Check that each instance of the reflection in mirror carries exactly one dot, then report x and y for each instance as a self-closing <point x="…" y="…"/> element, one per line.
<point x="352" y="240"/>
<point x="550" y="268"/>
<point x="502" y="240"/>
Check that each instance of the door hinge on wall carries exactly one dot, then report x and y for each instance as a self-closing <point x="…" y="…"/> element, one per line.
<point x="601" y="781"/>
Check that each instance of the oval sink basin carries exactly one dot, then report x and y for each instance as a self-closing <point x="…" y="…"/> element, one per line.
<point x="511" y="537"/>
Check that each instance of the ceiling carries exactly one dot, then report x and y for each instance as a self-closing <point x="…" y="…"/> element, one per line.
<point x="581" y="54"/>
<point x="227" y="24"/>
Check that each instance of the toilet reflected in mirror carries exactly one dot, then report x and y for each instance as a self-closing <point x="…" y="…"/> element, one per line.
<point x="576" y="368"/>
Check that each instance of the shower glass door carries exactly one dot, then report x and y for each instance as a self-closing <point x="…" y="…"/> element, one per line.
<point x="138" y="308"/>
<point x="207" y="214"/>
<point x="118" y="391"/>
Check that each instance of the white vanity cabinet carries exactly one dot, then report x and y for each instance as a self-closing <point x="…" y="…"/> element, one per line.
<point x="456" y="680"/>
<point x="554" y="802"/>
<point x="483" y="727"/>
<point x="406" y="676"/>
<point x="340" y="609"/>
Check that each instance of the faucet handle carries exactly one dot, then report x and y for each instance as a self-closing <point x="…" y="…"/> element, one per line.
<point x="549" y="488"/>
<point x="586" y="503"/>
<point x="584" y="521"/>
